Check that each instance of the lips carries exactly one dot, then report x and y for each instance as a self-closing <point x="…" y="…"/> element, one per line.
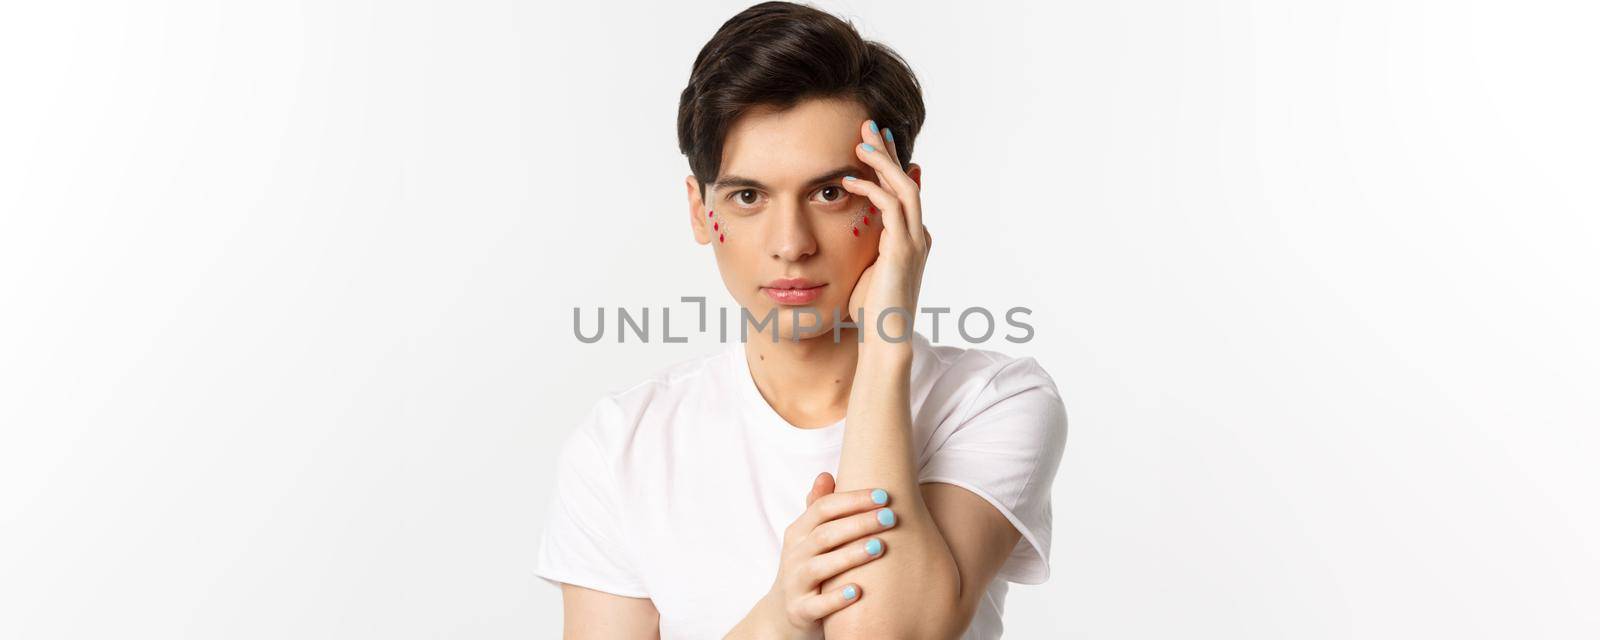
<point x="792" y="283"/>
<point x="793" y="290"/>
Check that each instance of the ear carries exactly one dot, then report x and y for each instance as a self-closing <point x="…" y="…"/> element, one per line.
<point x="915" y="171"/>
<point x="698" y="221"/>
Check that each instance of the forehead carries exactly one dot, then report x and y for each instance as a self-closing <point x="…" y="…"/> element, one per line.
<point x="793" y="144"/>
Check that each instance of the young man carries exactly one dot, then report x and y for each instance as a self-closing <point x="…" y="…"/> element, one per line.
<point x="867" y="486"/>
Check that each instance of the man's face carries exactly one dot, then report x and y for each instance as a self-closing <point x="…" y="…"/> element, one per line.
<point x="786" y="235"/>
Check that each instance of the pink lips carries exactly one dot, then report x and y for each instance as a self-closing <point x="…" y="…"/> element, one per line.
<point x="793" y="290"/>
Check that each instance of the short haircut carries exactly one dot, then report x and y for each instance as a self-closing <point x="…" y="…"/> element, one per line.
<point x="778" y="54"/>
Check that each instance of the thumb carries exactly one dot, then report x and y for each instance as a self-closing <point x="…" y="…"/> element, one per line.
<point x="822" y="486"/>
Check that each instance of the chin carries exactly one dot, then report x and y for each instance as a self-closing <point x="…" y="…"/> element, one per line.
<point x="785" y="319"/>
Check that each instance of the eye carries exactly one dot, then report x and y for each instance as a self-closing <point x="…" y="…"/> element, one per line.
<point x="838" y="193"/>
<point x="745" y="197"/>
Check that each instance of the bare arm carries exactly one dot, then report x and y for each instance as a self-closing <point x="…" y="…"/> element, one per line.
<point x="588" y="614"/>
<point x="947" y="543"/>
<point x="904" y="593"/>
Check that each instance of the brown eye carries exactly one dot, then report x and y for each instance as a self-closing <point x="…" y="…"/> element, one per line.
<point x="837" y="191"/>
<point x="740" y="196"/>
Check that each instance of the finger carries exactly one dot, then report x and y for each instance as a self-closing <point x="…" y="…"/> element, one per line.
<point x="870" y="134"/>
<point x="894" y="154"/>
<point x="819" y="568"/>
<point x="834" y="533"/>
<point x="894" y="148"/>
<point x="839" y="504"/>
<point x="876" y="155"/>
<point x="889" y="212"/>
<point x="821" y="605"/>
<point x="904" y="188"/>
<point x="822" y="486"/>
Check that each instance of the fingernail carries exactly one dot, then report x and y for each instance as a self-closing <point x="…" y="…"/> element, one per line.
<point x="874" y="547"/>
<point x="849" y="177"/>
<point x="850" y="592"/>
<point x="868" y="147"/>
<point x="888" y="135"/>
<point x="879" y="496"/>
<point x="886" y="517"/>
<point x="873" y="125"/>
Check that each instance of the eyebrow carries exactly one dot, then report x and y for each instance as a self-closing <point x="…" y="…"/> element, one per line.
<point x="730" y="181"/>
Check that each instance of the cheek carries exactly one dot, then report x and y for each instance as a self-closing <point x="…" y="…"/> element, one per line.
<point x="865" y="222"/>
<point x="719" y="226"/>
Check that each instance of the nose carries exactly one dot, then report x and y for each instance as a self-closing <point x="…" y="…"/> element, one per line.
<point x="791" y="238"/>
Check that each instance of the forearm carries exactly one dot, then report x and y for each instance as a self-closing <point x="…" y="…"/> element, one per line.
<point x="914" y="590"/>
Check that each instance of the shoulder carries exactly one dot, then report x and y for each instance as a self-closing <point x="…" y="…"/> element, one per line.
<point x="970" y="381"/>
<point x="998" y="430"/>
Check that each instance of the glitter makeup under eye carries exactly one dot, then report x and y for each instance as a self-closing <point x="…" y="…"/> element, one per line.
<point x="721" y="227"/>
<point x="862" y="219"/>
<point x="717" y="226"/>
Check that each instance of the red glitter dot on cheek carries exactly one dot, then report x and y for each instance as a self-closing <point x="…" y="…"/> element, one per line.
<point x="722" y="237"/>
<point x="855" y="232"/>
<point x="716" y="225"/>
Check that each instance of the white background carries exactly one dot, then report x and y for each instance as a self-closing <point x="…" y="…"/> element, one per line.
<point x="286" y="292"/>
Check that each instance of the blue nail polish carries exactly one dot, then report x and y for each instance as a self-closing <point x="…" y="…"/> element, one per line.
<point x="873" y="125"/>
<point x="879" y="496"/>
<point x="868" y="147"/>
<point x="886" y="517"/>
<point x="888" y="136"/>
<point x="849" y="177"/>
<point x="874" y="547"/>
<point x="850" y="592"/>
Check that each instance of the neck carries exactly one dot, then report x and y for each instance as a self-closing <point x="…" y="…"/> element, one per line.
<point x="807" y="381"/>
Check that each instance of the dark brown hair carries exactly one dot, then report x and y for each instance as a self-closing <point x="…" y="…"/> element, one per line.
<point x="777" y="54"/>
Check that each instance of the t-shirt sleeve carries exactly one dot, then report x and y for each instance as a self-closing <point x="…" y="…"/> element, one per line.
<point x="582" y="543"/>
<point x="1006" y="450"/>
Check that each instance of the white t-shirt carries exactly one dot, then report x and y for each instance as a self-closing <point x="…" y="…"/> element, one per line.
<point x="679" y="488"/>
